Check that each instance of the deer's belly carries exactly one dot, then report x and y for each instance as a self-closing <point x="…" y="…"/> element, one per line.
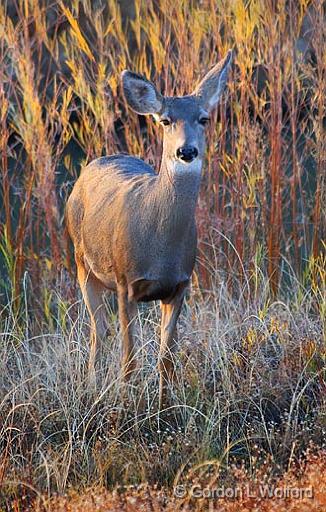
<point x="145" y="290"/>
<point x="104" y="272"/>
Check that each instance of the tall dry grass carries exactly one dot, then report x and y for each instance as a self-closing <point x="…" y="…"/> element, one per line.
<point x="61" y="106"/>
<point x="250" y="390"/>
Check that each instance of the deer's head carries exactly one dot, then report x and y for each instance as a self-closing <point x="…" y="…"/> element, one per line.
<point x="183" y="118"/>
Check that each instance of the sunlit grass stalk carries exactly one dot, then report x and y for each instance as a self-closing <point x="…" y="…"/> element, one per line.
<point x="275" y="89"/>
<point x="319" y="213"/>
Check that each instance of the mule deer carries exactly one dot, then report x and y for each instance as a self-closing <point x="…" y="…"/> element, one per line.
<point x="133" y="230"/>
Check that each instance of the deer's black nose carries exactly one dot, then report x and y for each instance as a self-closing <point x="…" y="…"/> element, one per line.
<point x="187" y="153"/>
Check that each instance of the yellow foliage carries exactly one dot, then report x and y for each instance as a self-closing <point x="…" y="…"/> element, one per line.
<point x="77" y="32"/>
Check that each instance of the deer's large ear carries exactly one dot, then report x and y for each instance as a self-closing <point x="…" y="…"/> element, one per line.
<point x="211" y="87"/>
<point x="140" y="93"/>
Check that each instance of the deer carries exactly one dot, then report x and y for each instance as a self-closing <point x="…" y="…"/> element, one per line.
<point x="134" y="229"/>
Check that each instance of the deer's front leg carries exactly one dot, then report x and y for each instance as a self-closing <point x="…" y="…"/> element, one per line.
<point x="169" y="337"/>
<point x="127" y="319"/>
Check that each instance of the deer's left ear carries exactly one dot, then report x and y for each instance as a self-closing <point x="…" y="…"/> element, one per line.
<point x="211" y="87"/>
<point x="140" y="93"/>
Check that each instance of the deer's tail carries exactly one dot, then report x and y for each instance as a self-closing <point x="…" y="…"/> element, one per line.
<point x="68" y="254"/>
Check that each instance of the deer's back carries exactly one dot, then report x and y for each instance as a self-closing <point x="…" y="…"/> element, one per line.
<point x="97" y="193"/>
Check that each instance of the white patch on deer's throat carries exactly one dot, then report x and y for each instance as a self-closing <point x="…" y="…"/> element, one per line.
<point x="182" y="168"/>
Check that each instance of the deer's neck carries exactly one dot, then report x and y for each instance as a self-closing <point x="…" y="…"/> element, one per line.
<point x="178" y="188"/>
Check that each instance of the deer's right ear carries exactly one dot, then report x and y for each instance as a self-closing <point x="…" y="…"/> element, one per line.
<point x="141" y="94"/>
<point x="213" y="84"/>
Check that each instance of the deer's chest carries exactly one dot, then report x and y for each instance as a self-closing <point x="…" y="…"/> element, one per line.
<point x="157" y="264"/>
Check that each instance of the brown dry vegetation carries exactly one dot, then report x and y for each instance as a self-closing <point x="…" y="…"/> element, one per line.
<point x="251" y="363"/>
<point x="307" y="478"/>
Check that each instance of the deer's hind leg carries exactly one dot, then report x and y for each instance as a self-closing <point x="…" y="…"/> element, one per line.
<point x="93" y="290"/>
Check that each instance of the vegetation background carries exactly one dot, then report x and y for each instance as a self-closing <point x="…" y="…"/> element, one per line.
<point x="251" y="384"/>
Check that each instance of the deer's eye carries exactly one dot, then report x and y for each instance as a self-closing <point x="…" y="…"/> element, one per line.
<point x="203" y="121"/>
<point x="166" y="121"/>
